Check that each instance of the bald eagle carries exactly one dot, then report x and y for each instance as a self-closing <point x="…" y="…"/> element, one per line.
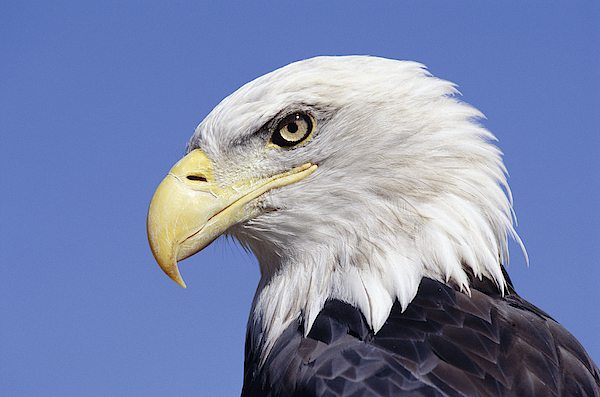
<point x="380" y="214"/>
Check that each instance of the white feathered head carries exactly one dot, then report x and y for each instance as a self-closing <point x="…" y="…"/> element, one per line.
<point x="349" y="178"/>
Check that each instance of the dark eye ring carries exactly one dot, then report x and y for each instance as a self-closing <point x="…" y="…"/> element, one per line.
<point x="293" y="129"/>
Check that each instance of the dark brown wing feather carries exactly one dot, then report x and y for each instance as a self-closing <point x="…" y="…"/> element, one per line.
<point x="445" y="343"/>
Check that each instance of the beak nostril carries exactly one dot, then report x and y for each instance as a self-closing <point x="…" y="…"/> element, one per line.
<point x="198" y="178"/>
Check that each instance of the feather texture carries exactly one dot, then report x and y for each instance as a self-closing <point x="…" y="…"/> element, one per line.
<point x="444" y="344"/>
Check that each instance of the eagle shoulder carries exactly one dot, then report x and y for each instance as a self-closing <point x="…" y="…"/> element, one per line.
<point x="446" y="343"/>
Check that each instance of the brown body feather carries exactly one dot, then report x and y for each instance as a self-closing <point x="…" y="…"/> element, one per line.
<point x="445" y="344"/>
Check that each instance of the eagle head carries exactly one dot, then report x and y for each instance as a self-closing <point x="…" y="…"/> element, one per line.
<point x="349" y="178"/>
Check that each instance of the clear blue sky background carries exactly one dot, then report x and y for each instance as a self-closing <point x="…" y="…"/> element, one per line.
<point x="97" y="101"/>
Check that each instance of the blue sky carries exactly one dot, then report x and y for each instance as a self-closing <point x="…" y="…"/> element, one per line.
<point x="97" y="101"/>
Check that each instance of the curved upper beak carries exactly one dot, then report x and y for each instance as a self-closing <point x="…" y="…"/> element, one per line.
<point x="189" y="209"/>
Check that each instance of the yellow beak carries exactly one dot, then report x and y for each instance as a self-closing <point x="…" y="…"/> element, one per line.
<point x="189" y="210"/>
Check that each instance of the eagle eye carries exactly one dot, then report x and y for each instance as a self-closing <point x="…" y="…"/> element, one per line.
<point x="292" y="130"/>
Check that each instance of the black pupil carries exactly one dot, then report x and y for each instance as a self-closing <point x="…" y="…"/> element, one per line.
<point x="292" y="127"/>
